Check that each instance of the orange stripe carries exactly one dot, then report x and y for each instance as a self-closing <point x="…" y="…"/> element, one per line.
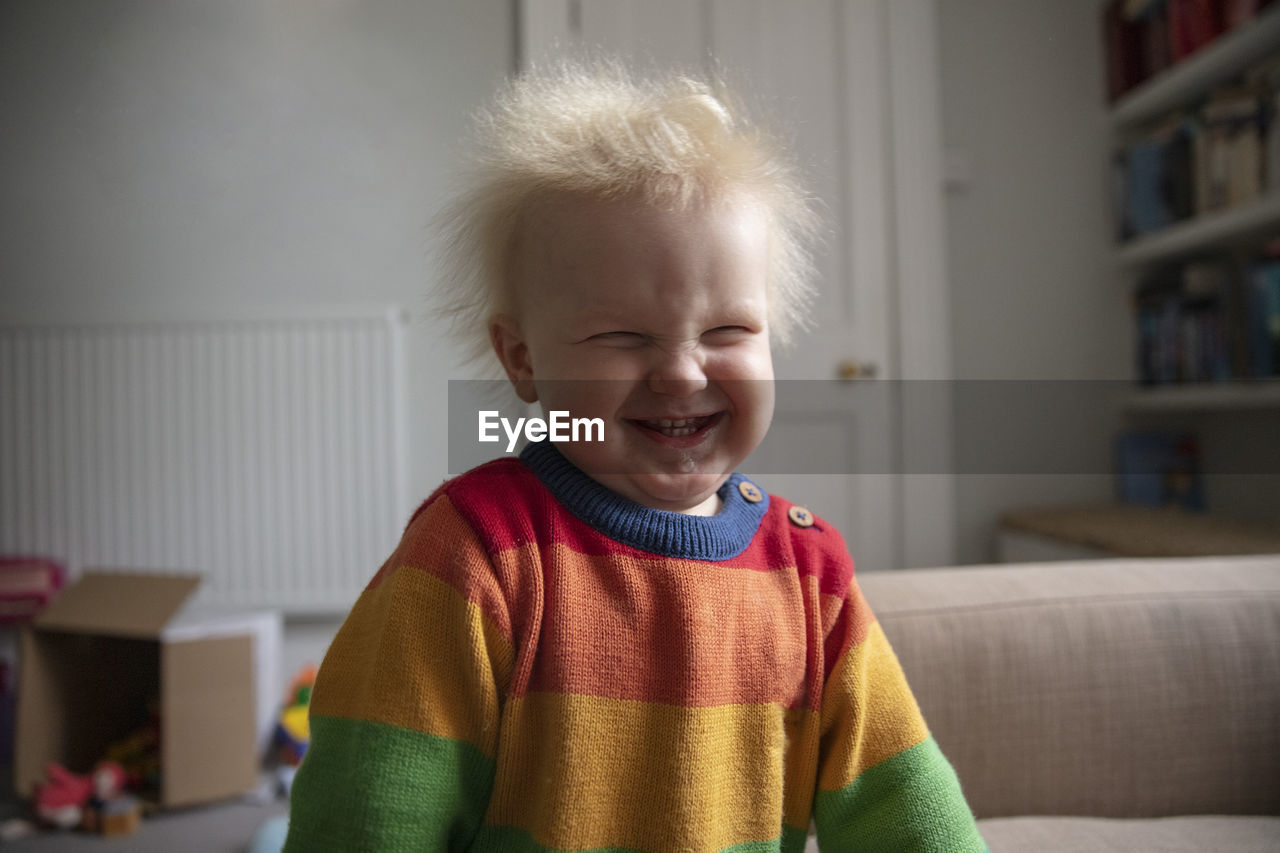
<point x="678" y="632"/>
<point x="638" y="775"/>
<point x="505" y="585"/>
<point x="415" y="653"/>
<point x="852" y="619"/>
<point x="868" y="712"/>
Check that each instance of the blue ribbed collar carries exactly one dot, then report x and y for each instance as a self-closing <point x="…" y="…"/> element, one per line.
<point x="671" y="534"/>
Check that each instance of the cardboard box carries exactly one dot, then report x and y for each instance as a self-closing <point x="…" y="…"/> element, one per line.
<point x="114" y="642"/>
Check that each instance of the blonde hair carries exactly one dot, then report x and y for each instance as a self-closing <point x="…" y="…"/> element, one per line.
<point x="594" y="129"/>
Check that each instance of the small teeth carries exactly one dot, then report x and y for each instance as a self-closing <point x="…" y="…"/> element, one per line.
<point x="675" y="427"/>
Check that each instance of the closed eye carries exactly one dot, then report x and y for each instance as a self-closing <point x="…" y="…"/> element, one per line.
<point x="618" y="338"/>
<point x="728" y="331"/>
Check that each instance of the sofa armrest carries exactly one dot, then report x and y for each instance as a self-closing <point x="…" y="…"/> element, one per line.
<point x="1118" y="688"/>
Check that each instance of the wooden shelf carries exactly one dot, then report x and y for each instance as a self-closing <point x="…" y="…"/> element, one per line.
<point x="1140" y="531"/>
<point x="1215" y="63"/>
<point x="1206" y="397"/>
<point x="1221" y="228"/>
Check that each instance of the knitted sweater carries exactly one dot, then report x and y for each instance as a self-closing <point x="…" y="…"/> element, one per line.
<point x="545" y="665"/>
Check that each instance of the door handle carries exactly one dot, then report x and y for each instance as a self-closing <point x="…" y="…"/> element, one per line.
<point x="849" y="370"/>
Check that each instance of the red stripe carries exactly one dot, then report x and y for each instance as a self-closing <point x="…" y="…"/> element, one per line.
<point x="509" y="507"/>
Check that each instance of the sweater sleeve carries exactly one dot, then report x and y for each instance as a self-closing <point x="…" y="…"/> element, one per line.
<point x="883" y="784"/>
<point x="405" y="708"/>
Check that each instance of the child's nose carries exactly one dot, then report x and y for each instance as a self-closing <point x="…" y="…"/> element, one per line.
<point x="678" y="374"/>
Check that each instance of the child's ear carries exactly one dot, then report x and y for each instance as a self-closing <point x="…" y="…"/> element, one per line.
<point x="513" y="352"/>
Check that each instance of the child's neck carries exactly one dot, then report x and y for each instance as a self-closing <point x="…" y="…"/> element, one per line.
<point x="711" y="506"/>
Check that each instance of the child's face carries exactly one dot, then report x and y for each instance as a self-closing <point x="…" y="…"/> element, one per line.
<point x="665" y="313"/>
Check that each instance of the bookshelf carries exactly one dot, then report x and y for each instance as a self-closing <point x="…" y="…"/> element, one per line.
<point x="1240" y="230"/>
<point x="1237" y="226"/>
<point x="1214" y="64"/>
<point x="1206" y="397"/>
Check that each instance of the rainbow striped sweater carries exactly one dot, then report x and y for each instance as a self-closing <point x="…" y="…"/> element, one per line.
<point x="545" y="665"/>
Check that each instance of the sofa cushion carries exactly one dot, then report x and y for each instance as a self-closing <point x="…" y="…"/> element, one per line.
<point x="1108" y="835"/>
<point x="1119" y="688"/>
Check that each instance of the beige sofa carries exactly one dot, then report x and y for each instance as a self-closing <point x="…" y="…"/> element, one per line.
<point x="1119" y="705"/>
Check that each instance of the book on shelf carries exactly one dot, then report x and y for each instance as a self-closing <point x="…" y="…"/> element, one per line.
<point x="1229" y="160"/>
<point x="1218" y="154"/>
<point x="1120" y="41"/>
<point x="1146" y="205"/>
<point x="1157" y="52"/>
<point x="1265" y="77"/>
<point x="1192" y="25"/>
<point x="1137" y="41"/>
<point x="1143" y="38"/>
<point x="1264" y="317"/>
<point x="1237" y="12"/>
<point x="1154" y="182"/>
<point x="1137" y="9"/>
<point x="1159" y="469"/>
<point x="1208" y="320"/>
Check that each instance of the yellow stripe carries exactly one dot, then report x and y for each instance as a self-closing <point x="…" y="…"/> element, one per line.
<point x="415" y="653"/>
<point x="804" y="729"/>
<point x="583" y="772"/>
<point x="868" y="712"/>
<point x="442" y="542"/>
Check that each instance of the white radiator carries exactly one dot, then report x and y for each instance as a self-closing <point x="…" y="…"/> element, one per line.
<point x="266" y="455"/>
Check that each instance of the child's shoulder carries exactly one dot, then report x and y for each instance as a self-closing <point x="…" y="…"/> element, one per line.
<point x="489" y="483"/>
<point x="497" y="500"/>
<point x="813" y="542"/>
<point x="803" y="526"/>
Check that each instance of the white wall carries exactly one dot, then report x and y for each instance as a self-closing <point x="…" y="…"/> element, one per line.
<point x="185" y="158"/>
<point x="177" y="157"/>
<point x="1034" y="292"/>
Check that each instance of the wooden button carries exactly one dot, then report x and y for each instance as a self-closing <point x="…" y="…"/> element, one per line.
<point x="750" y="492"/>
<point x="800" y="516"/>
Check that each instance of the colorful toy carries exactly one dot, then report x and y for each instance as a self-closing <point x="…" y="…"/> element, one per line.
<point x="121" y="816"/>
<point x="110" y="810"/>
<point x="293" y="731"/>
<point x="27" y="585"/>
<point x="61" y="799"/>
<point x="97" y="802"/>
<point x="108" y="781"/>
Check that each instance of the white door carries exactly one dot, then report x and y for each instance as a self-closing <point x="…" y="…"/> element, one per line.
<point x="820" y="69"/>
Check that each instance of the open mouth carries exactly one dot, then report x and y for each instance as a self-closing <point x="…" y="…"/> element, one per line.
<point x="678" y="427"/>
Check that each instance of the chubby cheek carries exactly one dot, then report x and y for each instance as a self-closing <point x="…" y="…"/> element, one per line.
<point x="750" y="359"/>
<point x="592" y="398"/>
<point x="749" y="384"/>
<point x="593" y="383"/>
<point x="747" y="369"/>
<point x="753" y="401"/>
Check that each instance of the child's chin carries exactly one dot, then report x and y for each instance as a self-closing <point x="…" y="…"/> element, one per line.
<point x="678" y="492"/>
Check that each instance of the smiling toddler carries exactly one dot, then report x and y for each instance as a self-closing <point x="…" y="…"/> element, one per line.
<point x="623" y="644"/>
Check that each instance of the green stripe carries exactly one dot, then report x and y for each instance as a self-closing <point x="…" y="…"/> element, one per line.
<point x="503" y="839"/>
<point x="910" y="803"/>
<point x="375" y="787"/>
